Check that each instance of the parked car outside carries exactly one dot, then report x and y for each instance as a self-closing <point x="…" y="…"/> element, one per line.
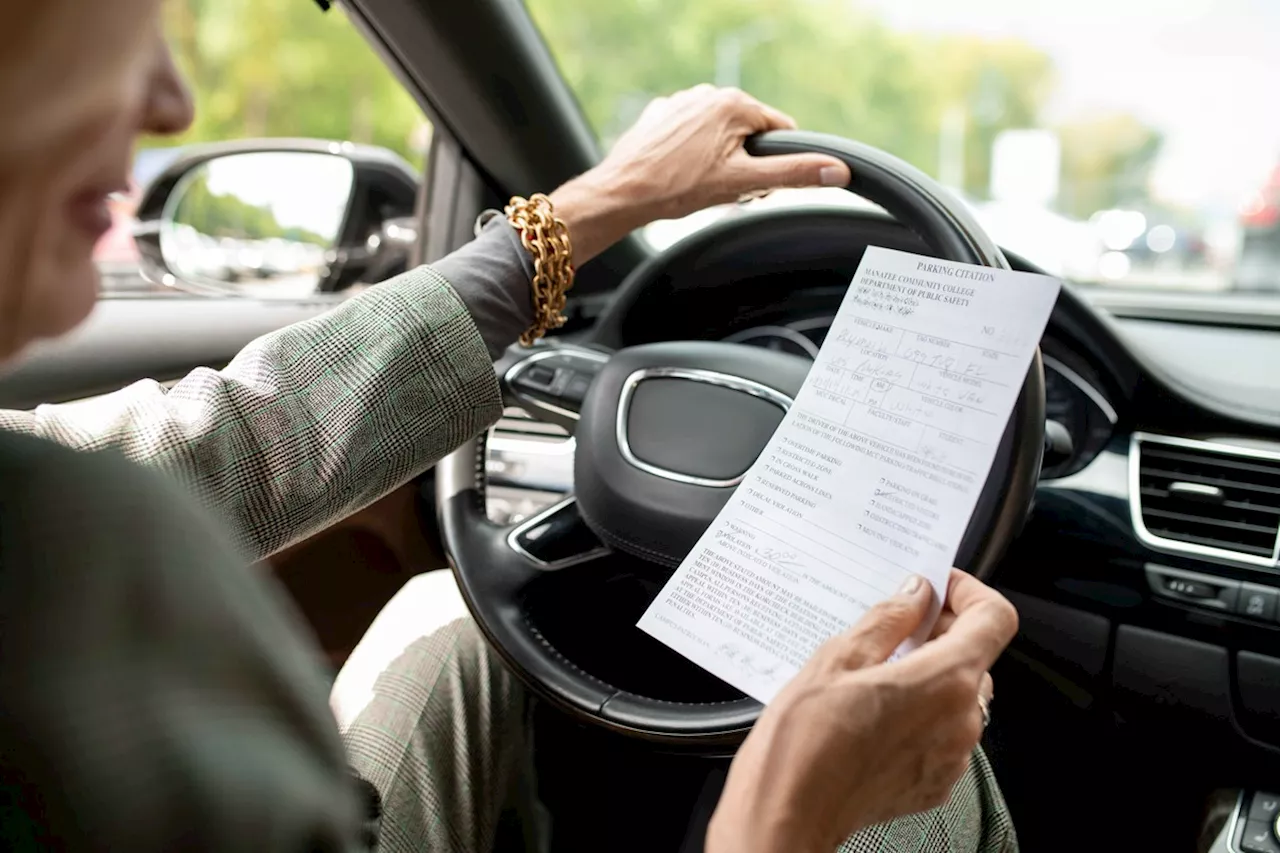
<point x="1259" y="264"/>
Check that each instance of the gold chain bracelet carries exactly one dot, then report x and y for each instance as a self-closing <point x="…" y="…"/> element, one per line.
<point x="546" y="238"/>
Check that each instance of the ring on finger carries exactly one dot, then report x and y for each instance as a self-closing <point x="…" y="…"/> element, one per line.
<point x="984" y="705"/>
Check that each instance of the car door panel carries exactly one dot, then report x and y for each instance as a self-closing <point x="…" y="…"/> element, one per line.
<point x="340" y="577"/>
<point x="164" y="338"/>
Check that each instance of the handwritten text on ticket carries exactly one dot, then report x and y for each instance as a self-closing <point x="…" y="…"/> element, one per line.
<point x="872" y="475"/>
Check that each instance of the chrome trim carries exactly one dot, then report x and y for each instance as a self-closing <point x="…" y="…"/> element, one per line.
<point x="516" y="420"/>
<point x="513" y="540"/>
<point x="1220" y="447"/>
<point x="529" y="463"/>
<point x="1173" y="546"/>
<point x="708" y="377"/>
<point x="1197" y="489"/>
<point x="563" y="352"/>
<point x="456" y="473"/>
<point x="524" y="453"/>
<point x="787" y="334"/>
<point x="1094" y="395"/>
<point x="1238" y="816"/>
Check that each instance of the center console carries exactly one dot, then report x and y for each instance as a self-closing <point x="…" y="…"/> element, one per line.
<point x="1254" y="826"/>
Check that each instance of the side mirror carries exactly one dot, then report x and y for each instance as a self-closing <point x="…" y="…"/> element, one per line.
<point x="391" y="248"/>
<point x="273" y="219"/>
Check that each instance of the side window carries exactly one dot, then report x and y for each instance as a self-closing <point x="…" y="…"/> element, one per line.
<point x="253" y="221"/>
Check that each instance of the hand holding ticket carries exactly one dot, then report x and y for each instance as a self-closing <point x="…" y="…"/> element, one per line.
<point x="873" y="474"/>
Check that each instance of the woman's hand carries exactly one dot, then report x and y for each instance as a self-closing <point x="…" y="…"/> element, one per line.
<point x="683" y="154"/>
<point x="852" y="740"/>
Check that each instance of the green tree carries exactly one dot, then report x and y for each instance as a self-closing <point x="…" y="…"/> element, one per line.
<point x="1106" y="162"/>
<point x="226" y="215"/>
<point x="997" y="85"/>
<point x="261" y="68"/>
<point x="282" y="68"/>
<point x="832" y="66"/>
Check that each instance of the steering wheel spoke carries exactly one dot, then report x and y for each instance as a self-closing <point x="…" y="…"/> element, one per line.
<point x="556" y="538"/>
<point x="550" y="381"/>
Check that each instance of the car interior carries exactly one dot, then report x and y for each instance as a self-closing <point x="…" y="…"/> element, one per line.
<point x="1133" y="515"/>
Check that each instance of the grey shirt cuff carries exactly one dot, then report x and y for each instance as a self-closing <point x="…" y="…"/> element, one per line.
<point x="492" y="276"/>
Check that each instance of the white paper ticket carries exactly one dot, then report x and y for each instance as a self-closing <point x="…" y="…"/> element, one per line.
<point x="872" y="475"/>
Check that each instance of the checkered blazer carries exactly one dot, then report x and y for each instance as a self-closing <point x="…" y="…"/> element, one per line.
<point x="310" y="423"/>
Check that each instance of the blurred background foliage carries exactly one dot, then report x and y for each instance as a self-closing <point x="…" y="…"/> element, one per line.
<point x="227" y="215"/>
<point x="836" y="68"/>
<point x="281" y="68"/>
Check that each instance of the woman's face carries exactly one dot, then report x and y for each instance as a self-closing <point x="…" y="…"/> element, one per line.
<point x="79" y="81"/>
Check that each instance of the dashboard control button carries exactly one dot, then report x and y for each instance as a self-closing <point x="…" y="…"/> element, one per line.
<point x="1265" y="807"/>
<point x="1190" y="589"/>
<point x="1259" y="838"/>
<point x="1193" y="587"/>
<point x="1257" y="602"/>
<point x="539" y="376"/>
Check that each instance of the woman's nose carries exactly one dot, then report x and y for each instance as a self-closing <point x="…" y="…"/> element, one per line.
<point x="168" y="109"/>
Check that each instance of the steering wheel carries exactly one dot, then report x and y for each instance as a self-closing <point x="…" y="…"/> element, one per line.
<point x="656" y="460"/>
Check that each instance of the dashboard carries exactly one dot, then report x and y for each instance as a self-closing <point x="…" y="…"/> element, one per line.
<point x="1147" y="574"/>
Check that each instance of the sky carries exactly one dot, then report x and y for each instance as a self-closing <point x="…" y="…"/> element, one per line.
<point x="303" y="190"/>
<point x="1205" y="72"/>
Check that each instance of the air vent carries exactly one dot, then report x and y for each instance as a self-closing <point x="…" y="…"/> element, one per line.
<point x="1208" y="499"/>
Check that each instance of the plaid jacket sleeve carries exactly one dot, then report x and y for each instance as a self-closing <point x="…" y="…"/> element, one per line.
<point x="310" y="423"/>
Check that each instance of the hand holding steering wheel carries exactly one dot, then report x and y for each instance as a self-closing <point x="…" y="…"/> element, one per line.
<point x="663" y="434"/>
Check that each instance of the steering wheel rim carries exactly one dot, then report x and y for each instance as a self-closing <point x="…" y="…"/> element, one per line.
<point x="495" y="577"/>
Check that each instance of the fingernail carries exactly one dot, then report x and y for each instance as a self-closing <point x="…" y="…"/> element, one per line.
<point x="833" y="176"/>
<point x="912" y="585"/>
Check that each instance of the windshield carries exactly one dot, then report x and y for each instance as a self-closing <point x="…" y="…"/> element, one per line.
<point x="1121" y="143"/>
